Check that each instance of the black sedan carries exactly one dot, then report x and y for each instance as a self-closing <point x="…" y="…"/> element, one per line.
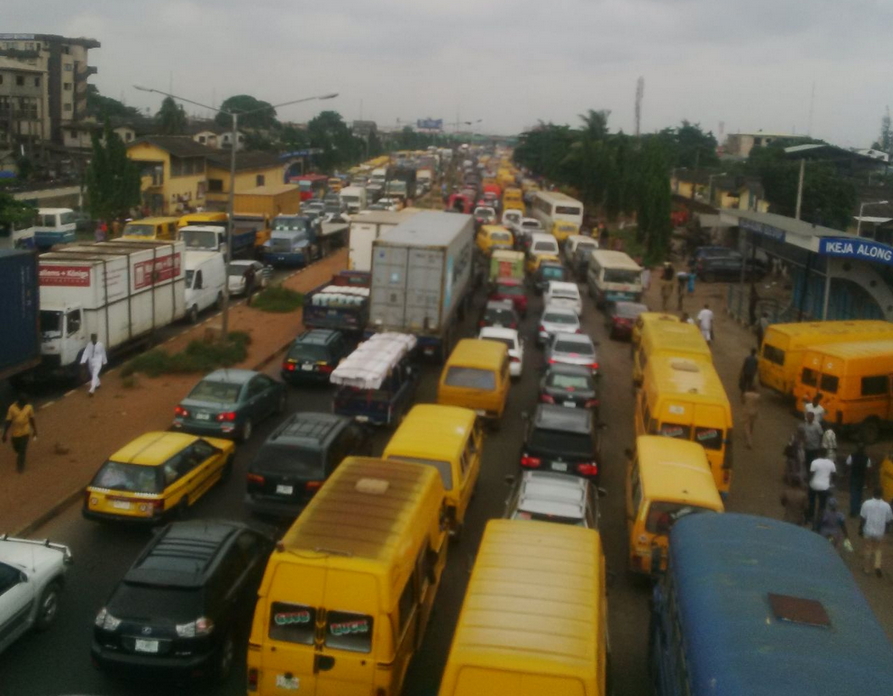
<point x="228" y="403"/>
<point x="571" y="386"/>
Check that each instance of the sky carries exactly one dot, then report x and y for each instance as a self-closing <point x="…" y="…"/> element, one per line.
<point x="819" y="67"/>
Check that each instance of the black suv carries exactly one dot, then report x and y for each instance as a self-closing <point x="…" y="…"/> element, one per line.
<point x="178" y="609"/>
<point x="564" y="440"/>
<point x="297" y="459"/>
<point x="313" y="356"/>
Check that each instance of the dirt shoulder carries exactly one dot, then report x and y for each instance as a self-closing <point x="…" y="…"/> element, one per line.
<point x="77" y="433"/>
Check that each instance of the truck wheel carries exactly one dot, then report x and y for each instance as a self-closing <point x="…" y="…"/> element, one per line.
<point x="48" y="607"/>
<point x="193" y="314"/>
<point x="218" y="303"/>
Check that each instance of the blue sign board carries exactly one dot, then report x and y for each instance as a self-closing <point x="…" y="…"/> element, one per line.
<point x="762" y="229"/>
<point x="430" y="124"/>
<point x="301" y="153"/>
<point x="854" y="248"/>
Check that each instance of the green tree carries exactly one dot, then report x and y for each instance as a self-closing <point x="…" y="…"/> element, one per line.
<point x="113" y="179"/>
<point x="171" y="118"/>
<point x="15" y="213"/>
<point x="653" y="198"/>
<point x="689" y="146"/>
<point x="103" y="108"/>
<point x="262" y="115"/>
<point x="328" y="132"/>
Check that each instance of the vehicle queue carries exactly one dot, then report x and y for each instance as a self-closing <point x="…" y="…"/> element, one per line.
<point x="347" y="592"/>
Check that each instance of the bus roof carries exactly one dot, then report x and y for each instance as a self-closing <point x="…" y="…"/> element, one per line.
<point x="728" y="570"/>
<point x="614" y="259"/>
<point x="557" y="197"/>
<point x="534" y="600"/>
<point x="361" y="510"/>
<point x="692" y="380"/>
<point x="805" y="333"/>
<point x="431" y="431"/>
<point x="865" y="349"/>
<point x="678" y="469"/>
<point x="477" y="352"/>
<point x="674" y="337"/>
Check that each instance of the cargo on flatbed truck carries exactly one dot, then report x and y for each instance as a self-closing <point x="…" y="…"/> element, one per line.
<point x="123" y="291"/>
<point x="421" y="279"/>
<point x="341" y="303"/>
<point x="257" y="207"/>
<point x="20" y="345"/>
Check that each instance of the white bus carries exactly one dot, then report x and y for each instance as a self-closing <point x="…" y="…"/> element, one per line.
<point x="613" y="276"/>
<point x="17" y="235"/>
<point x="559" y="214"/>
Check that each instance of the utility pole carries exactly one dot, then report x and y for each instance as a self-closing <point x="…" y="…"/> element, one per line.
<point x="640" y="92"/>
<point x="800" y="188"/>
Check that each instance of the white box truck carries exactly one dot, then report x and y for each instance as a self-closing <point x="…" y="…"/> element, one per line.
<point x="422" y="279"/>
<point x="365" y="228"/>
<point x="354" y="197"/>
<point x="120" y="290"/>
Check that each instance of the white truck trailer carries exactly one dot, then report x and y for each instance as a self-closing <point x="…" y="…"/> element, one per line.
<point x="122" y="290"/>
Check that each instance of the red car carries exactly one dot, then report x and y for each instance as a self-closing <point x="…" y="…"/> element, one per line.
<point x="621" y="316"/>
<point x="510" y="289"/>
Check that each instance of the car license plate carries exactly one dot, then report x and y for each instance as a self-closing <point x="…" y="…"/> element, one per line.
<point x="285" y="490"/>
<point x="307" y="368"/>
<point x="559" y="466"/>
<point x="569" y="404"/>
<point x="203" y="416"/>
<point x="120" y="505"/>
<point x="146" y="646"/>
<point x="480" y="412"/>
<point x="362" y="419"/>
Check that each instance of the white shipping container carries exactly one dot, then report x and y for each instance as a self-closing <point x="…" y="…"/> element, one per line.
<point x="120" y="290"/>
<point x="365" y="228"/>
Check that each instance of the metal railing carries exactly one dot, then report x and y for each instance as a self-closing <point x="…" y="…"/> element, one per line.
<point x="738" y="306"/>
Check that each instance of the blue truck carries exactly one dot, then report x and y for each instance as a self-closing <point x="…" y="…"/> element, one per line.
<point x="294" y="241"/>
<point x="19" y="312"/>
<point x="341" y="304"/>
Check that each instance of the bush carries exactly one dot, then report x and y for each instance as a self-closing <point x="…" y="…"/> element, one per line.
<point x="277" y="299"/>
<point x="199" y="356"/>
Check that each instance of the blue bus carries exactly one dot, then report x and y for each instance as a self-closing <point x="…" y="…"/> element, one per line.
<point x="754" y="606"/>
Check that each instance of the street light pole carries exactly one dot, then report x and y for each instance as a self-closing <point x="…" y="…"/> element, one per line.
<point x="234" y="115"/>
<point x="861" y="208"/>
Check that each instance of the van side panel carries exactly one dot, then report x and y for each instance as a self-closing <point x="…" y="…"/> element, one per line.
<point x="476" y="681"/>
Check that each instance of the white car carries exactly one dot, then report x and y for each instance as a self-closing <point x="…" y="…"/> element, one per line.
<point x="236" y="276"/>
<point x="511" y="218"/>
<point x="557" y="320"/>
<point x="561" y="294"/>
<point x="32" y="574"/>
<point x="530" y="225"/>
<point x="515" y="345"/>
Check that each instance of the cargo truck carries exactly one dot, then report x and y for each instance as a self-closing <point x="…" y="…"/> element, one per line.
<point x="422" y="279"/>
<point x="213" y="238"/>
<point x="257" y="207"/>
<point x="341" y="303"/>
<point x="366" y="228"/>
<point x="122" y="290"/>
<point x="354" y="197"/>
<point x="20" y="344"/>
<point x="294" y="241"/>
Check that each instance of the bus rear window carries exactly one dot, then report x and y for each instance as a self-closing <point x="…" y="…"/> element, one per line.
<point x="828" y="383"/>
<point x="292" y="623"/>
<point x="566" y="210"/>
<point x="809" y="377"/>
<point x="662" y="516"/>
<point x="709" y="438"/>
<point x="346" y="631"/>
<point x="674" y="430"/>
<point x="470" y="378"/>
<point x="773" y="354"/>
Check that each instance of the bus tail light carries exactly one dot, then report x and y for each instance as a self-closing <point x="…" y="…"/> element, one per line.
<point x="587" y="469"/>
<point x="531" y="462"/>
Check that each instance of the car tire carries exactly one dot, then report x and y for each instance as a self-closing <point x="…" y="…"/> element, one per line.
<point x="182" y="508"/>
<point x="193" y="314"/>
<point x="247" y="429"/>
<point x="225" y="657"/>
<point x="48" y="606"/>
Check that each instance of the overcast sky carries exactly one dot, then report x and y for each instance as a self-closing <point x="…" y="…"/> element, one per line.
<point x="509" y="63"/>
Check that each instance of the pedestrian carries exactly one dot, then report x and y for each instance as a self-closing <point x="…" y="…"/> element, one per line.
<point x="20" y="427"/>
<point x="705" y="323"/>
<point x="833" y="524"/>
<point x="691" y="283"/>
<point x="116" y="228"/>
<point x="94" y="356"/>
<point x="646" y="278"/>
<point x="752" y="301"/>
<point x="795" y="457"/>
<point x="813" y="433"/>
<point x="748" y="374"/>
<point x="821" y="470"/>
<point x="681" y="283"/>
<point x="102" y="231"/>
<point x="603" y="236"/>
<point x="762" y="325"/>
<point x="858" y="464"/>
<point x="249" y="284"/>
<point x="667" y="277"/>
<point x="829" y="442"/>
<point x="751" y="400"/>
<point x="815" y="407"/>
<point x="794" y="501"/>
<point x="876" y="518"/>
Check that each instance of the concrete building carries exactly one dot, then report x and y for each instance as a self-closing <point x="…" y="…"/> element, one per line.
<point x="740" y="144"/>
<point x="23" y="103"/>
<point x="64" y="70"/>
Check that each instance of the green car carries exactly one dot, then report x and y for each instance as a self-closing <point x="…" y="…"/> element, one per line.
<point x="229" y="403"/>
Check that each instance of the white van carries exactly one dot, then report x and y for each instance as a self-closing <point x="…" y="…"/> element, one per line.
<point x="54" y="226"/>
<point x="205" y="278"/>
<point x="354" y="197"/>
<point x="543" y="243"/>
<point x="613" y="276"/>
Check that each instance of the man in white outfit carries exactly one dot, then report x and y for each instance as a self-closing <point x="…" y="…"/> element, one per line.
<point x="705" y="323"/>
<point x="94" y="356"/>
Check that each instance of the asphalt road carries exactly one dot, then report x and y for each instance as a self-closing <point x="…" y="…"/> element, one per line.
<point x="58" y="662"/>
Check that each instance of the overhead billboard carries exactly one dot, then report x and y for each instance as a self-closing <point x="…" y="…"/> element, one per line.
<point x="430" y="124"/>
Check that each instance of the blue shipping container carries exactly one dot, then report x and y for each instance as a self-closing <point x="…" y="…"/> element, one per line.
<point x="19" y="311"/>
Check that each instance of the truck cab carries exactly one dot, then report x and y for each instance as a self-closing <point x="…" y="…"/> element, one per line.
<point x="293" y="242"/>
<point x="212" y="237"/>
<point x="63" y="335"/>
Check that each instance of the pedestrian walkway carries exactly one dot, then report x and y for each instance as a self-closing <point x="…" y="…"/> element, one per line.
<point x="78" y="433"/>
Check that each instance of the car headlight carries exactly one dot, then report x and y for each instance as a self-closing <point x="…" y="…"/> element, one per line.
<point x="106" y="621"/>
<point x="202" y="626"/>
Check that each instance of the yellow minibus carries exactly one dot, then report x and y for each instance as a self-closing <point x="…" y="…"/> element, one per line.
<point x="153" y="228"/>
<point x="669" y="338"/>
<point x="347" y="594"/>
<point x="534" y="619"/>
<point x="449" y="439"/>
<point x="476" y="376"/>
<point x="683" y="398"/>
